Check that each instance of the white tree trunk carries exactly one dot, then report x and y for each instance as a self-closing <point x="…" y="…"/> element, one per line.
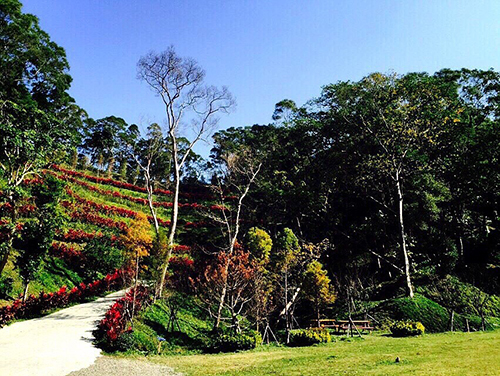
<point x="173" y="223"/>
<point x="403" y="237"/>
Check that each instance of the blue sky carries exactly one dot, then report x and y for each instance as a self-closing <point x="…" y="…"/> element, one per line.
<point x="264" y="51"/>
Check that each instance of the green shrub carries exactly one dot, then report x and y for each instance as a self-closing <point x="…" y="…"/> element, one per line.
<point x="5" y="286"/>
<point x="142" y="339"/>
<point x="452" y="293"/>
<point x="234" y="342"/>
<point x="406" y="328"/>
<point x="308" y="337"/>
<point x="475" y="322"/>
<point x="433" y="316"/>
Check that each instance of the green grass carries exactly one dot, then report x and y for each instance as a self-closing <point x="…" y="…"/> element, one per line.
<point x="432" y="354"/>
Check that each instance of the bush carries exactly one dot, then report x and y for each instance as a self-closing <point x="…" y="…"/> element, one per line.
<point x="100" y="256"/>
<point x="459" y="296"/>
<point x="234" y="342"/>
<point x="142" y="338"/>
<point x="433" y="316"/>
<point x="406" y="328"/>
<point x="5" y="286"/>
<point x="308" y="337"/>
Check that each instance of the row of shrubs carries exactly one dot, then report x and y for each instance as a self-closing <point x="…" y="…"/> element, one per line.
<point x="35" y="306"/>
<point x="220" y="342"/>
<point x="308" y="337"/>
<point x="119" y="184"/>
<point x="118" y="317"/>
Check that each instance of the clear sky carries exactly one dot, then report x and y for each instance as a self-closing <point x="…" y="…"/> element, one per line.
<point x="263" y="50"/>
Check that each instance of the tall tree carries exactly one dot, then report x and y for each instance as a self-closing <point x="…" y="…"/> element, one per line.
<point x="105" y="138"/>
<point x="401" y="116"/>
<point x="179" y="82"/>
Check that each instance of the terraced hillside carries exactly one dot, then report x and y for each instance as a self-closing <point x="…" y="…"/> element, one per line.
<point x="98" y="211"/>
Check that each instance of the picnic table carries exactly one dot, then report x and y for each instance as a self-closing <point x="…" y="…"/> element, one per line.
<point x="360" y="325"/>
<point x="343" y="325"/>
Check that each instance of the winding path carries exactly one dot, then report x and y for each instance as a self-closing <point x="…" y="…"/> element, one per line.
<point x="53" y="345"/>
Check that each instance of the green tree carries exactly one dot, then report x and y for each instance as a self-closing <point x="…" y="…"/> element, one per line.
<point x="285" y="260"/>
<point x="105" y="138"/>
<point x="317" y="287"/>
<point x="38" y="233"/>
<point x="37" y="115"/>
<point x="259" y="244"/>
<point x="101" y="257"/>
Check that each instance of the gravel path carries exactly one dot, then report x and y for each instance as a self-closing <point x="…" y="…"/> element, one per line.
<point x="124" y="367"/>
<point x="54" y="345"/>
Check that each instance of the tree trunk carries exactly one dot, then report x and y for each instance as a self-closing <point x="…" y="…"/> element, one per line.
<point x="403" y="237"/>
<point x="234" y="320"/>
<point x="25" y="295"/>
<point x="111" y="165"/>
<point x="135" y="176"/>
<point x="175" y="207"/>
<point x="317" y="314"/>
<point x="149" y="189"/>
<point x="222" y="297"/>
<point x="173" y="227"/>
<point x="451" y="320"/>
<point x="135" y="286"/>
<point x="287" y="319"/>
<point x="461" y="248"/>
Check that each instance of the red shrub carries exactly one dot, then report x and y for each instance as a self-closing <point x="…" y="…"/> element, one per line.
<point x="116" y="319"/>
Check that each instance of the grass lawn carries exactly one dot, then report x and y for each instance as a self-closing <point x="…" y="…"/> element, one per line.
<point x="432" y="354"/>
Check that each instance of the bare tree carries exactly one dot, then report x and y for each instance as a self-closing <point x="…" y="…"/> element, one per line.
<point x="145" y="160"/>
<point x="179" y="82"/>
<point x="237" y="174"/>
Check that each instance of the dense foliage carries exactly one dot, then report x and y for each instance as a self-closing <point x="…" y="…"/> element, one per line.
<point x="406" y="328"/>
<point x="388" y="156"/>
<point x="379" y="197"/>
